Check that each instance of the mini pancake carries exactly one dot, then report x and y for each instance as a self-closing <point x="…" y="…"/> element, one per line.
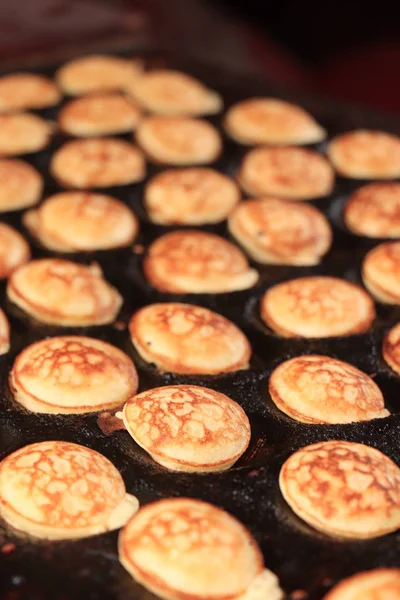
<point x="320" y="389"/>
<point x="23" y="133"/>
<point x="374" y="211"/>
<point x="364" y="154"/>
<point x="82" y="221"/>
<point x="391" y="348"/>
<point x="184" y="338"/>
<point x="377" y="584"/>
<point x="4" y="333"/>
<point x="280" y="232"/>
<point x="289" y="172"/>
<point x="58" y="490"/>
<point x="163" y="545"/>
<point x="22" y="91"/>
<point x="194" y="261"/>
<point x="61" y="292"/>
<point x="97" y="73"/>
<point x="14" y="250"/>
<point x="100" y="114"/>
<point x="179" y="140"/>
<point x="20" y="185"/>
<point x="167" y="92"/>
<point x="97" y="162"/>
<point x="317" y="307"/>
<point x="191" y="196"/>
<point x="258" y="121"/>
<point x="343" y="489"/>
<point x="188" y="428"/>
<point x="71" y="375"/>
<point x="381" y="272"/>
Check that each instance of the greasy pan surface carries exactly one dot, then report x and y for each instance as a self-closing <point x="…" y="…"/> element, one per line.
<point x="302" y="558"/>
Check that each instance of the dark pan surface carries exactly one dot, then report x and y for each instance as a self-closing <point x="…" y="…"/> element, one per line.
<point x="302" y="558"/>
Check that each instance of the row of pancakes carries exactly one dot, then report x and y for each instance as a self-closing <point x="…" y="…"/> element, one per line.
<point x="287" y="171"/>
<point x="270" y="230"/>
<point x="185" y="548"/>
<point x="66" y="293"/>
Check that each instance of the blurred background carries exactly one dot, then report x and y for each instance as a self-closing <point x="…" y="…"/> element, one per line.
<point x="345" y="49"/>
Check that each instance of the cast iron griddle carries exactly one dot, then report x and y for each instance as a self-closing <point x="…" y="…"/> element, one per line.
<point x="303" y="559"/>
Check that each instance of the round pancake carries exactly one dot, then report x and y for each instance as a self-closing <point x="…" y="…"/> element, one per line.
<point x="22" y="91"/>
<point x="168" y="92"/>
<point x="72" y="374"/>
<point x="381" y="272"/>
<point x="82" y="221"/>
<point x="4" y="333"/>
<point x="97" y="73"/>
<point x="274" y="231"/>
<point x="377" y="584"/>
<point x="20" y="185"/>
<point x="343" y="489"/>
<point x="189" y="339"/>
<point x="194" y="261"/>
<point x="100" y="114"/>
<point x="317" y="307"/>
<point x="58" y="490"/>
<point x="271" y="121"/>
<point x="23" y="133"/>
<point x="288" y="172"/>
<point x="61" y="292"/>
<point x="97" y="163"/>
<point x="14" y="250"/>
<point x="191" y="196"/>
<point x="364" y="154"/>
<point x="163" y="545"/>
<point x="188" y="428"/>
<point x="320" y="389"/>
<point x="374" y="211"/>
<point x="391" y="348"/>
<point x="179" y="140"/>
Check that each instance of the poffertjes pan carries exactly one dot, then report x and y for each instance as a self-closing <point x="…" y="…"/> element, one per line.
<point x="81" y="341"/>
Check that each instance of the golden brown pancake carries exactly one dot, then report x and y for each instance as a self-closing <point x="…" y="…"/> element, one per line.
<point x="258" y="121"/>
<point x="14" y="250"/>
<point x="365" y="154"/>
<point x="72" y="374"/>
<point x="320" y="389"/>
<point x="188" y="428"/>
<point x="374" y="210"/>
<point x="343" y="489"/>
<point x="58" y="490"/>
<point x="4" y="333"/>
<point x="23" y="133"/>
<point x="184" y="338"/>
<point x="82" y="221"/>
<point x="317" y="307"/>
<point x="163" y="545"/>
<point x="274" y="231"/>
<point x="168" y="92"/>
<point x="97" y="162"/>
<point x="391" y="348"/>
<point x="194" y="261"/>
<point x="24" y="91"/>
<point x="288" y="172"/>
<point x="381" y="272"/>
<point x="100" y="114"/>
<point x="377" y="584"/>
<point x="61" y="292"/>
<point x="97" y="73"/>
<point x="191" y="196"/>
<point x="20" y="185"/>
<point x="179" y="140"/>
